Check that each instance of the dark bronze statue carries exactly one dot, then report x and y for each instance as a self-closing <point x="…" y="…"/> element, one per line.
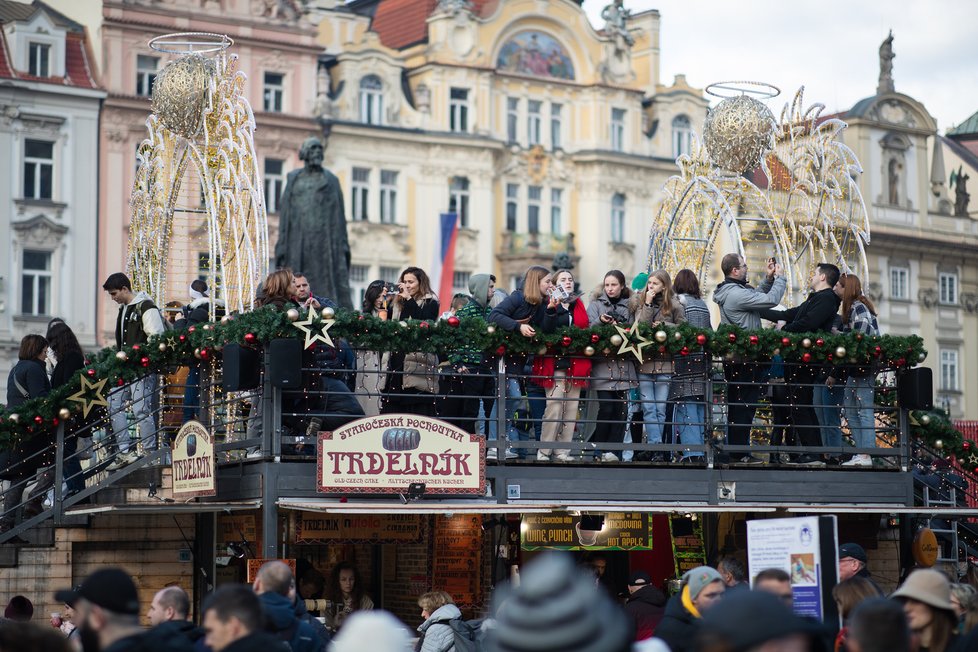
<point x="312" y="234"/>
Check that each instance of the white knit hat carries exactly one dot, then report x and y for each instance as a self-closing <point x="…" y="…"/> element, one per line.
<point x="372" y="631"/>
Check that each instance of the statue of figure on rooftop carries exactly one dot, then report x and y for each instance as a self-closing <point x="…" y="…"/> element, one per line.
<point x="615" y="17"/>
<point x="886" y="66"/>
<point x="961" y="195"/>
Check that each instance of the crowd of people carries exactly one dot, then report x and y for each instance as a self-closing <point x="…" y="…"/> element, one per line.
<point x="553" y="607"/>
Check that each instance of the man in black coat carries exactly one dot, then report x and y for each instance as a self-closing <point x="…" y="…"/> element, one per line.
<point x="233" y="620"/>
<point x="645" y="604"/>
<point x="815" y="315"/>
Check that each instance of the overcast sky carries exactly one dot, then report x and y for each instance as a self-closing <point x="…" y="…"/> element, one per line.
<point x="829" y="46"/>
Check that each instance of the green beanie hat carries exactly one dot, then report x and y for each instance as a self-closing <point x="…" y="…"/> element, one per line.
<point x="638" y="283"/>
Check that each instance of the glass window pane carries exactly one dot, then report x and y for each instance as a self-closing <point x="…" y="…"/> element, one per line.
<point x="39" y="149"/>
<point x="273" y="166"/>
<point x="27" y="295"/>
<point x="45" y="189"/>
<point x="37" y="260"/>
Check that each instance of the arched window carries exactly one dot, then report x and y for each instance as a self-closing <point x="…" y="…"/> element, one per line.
<point x="618" y="217"/>
<point x="371" y="100"/>
<point x="682" y="132"/>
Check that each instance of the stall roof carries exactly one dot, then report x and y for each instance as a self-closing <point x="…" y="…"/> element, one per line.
<point x="334" y="506"/>
<point x="163" y="508"/>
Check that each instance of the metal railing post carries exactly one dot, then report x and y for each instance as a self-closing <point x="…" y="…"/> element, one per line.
<point x="59" y="472"/>
<point x="502" y="382"/>
<point x="708" y="434"/>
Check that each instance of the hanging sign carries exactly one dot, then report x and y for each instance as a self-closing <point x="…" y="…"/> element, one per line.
<point x="193" y="462"/>
<point x="385" y="454"/>
<point x="311" y="527"/>
<point x="618" y="531"/>
<point x="688" y="550"/>
<point x="925" y="548"/>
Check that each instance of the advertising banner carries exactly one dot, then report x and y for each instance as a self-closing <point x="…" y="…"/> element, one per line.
<point x="385" y="454"/>
<point x="311" y="527"/>
<point x="193" y="462"/>
<point x="618" y="531"/>
<point x="688" y="550"/>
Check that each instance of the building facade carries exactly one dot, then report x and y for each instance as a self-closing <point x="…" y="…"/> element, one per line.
<point x="49" y="120"/>
<point x="543" y="134"/>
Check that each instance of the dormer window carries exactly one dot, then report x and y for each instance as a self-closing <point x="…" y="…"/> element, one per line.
<point x="39" y="59"/>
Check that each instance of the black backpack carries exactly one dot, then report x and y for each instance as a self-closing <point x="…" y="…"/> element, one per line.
<point x="468" y="635"/>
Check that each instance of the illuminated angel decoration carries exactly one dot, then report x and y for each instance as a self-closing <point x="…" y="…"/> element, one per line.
<point x="201" y="119"/>
<point x="764" y="188"/>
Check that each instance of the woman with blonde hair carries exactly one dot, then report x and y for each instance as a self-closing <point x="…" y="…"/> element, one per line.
<point x="277" y="290"/>
<point x="858" y="316"/>
<point x="436" y="633"/>
<point x="848" y="594"/>
<point x="657" y="306"/>
<point x="412" y="379"/>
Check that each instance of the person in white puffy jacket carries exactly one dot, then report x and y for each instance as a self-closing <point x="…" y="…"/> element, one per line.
<point x="438" y="610"/>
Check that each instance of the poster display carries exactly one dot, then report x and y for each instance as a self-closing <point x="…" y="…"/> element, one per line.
<point x="193" y="462"/>
<point x="619" y="531"/>
<point x="385" y="454"/>
<point x="457" y="565"/>
<point x="688" y="550"/>
<point x="313" y="527"/>
<point x="797" y="546"/>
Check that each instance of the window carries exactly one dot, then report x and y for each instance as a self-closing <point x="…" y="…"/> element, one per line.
<point x="390" y="274"/>
<point x="359" y="275"/>
<point x="682" y="134"/>
<point x="35" y="288"/>
<point x="533" y="122"/>
<point x="207" y="272"/>
<point x="618" y="130"/>
<point x="556" y="140"/>
<point x="460" y="281"/>
<point x="388" y="196"/>
<point x="458" y="108"/>
<point x="458" y="200"/>
<point x="512" y="205"/>
<point x="899" y="283"/>
<point x="361" y="188"/>
<point x="533" y="209"/>
<point x="512" y="119"/>
<point x="949" y="370"/>
<point x="274" y="183"/>
<point x="556" y="211"/>
<point x="618" y="218"/>
<point x="39" y="59"/>
<point x="38" y="169"/>
<point x="274" y="90"/>
<point x="146" y="68"/>
<point x="949" y="287"/>
<point x="371" y="100"/>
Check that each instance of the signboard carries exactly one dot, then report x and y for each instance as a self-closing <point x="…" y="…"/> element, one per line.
<point x="620" y="531"/>
<point x="688" y="550"/>
<point x="386" y="453"/>
<point x="457" y="565"/>
<point x="193" y="462"/>
<point x="311" y="527"/>
<point x="254" y="565"/>
<point x="925" y="549"/>
<point x="806" y="548"/>
<point x="236" y="527"/>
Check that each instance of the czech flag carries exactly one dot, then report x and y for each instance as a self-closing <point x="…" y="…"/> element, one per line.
<point x="443" y="270"/>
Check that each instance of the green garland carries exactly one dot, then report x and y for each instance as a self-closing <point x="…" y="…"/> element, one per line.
<point x="205" y="341"/>
<point x="935" y="430"/>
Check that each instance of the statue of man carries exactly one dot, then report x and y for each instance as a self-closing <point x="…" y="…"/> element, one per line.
<point x="312" y="227"/>
<point x="886" y="65"/>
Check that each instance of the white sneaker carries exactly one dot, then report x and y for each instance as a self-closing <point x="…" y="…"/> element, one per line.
<point x="542" y="457"/>
<point x="253" y="454"/>
<point x="511" y="454"/>
<point x="563" y="457"/>
<point x="491" y="454"/>
<point x="609" y="457"/>
<point x="121" y="460"/>
<point x="859" y="460"/>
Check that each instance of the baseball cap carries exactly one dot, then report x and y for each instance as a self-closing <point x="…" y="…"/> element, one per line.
<point x="748" y="619"/>
<point x="110" y="588"/>
<point x="853" y="550"/>
<point x="639" y="578"/>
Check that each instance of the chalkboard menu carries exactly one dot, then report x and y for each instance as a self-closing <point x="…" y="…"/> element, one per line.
<point x="457" y="566"/>
<point x="688" y="550"/>
<point x="618" y="531"/>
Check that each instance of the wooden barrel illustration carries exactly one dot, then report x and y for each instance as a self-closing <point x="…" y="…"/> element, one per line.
<point x="401" y="439"/>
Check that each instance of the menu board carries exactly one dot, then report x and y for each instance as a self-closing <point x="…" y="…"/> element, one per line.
<point x="235" y="527"/>
<point x="618" y="531"/>
<point x="688" y="550"/>
<point x="313" y="527"/>
<point x="457" y="566"/>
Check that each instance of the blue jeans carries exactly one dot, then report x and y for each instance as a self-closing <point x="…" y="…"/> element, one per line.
<point x="858" y="404"/>
<point x="828" y="400"/>
<point x="690" y="421"/>
<point x="654" y="389"/>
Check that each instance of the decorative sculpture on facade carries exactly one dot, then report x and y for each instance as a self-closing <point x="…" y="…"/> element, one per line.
<point x="886" y="66"/>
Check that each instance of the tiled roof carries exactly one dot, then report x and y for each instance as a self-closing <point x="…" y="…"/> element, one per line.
<point x="402" y="23"/>
<point x="781" y="175"/>
<point x="967" y="128"/>
<point x="79" y="70"/>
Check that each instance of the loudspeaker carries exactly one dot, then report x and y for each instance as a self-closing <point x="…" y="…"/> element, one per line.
<point x="242" y="369"/>
<point x="285" y="363"/>
<point x="915" y="389"/>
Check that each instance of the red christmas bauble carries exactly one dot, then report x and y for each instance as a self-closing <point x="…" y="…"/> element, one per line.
<point x="662" y="349"/>
<point x="205" y="354"/>
<point x="732" y="337"/>
<point x="684" y="350"/>
<point x="135" y="347"/>
<point x="54" y="421"/>
<point x="91" y="373"/>
<point x="901" y="362"/>
<point x="785" y="341"/>
<point x="183" y="338"/>
<point x="144" y="361"/>
<point x="454" y="321"/>
<point x="425" y="324"/>
<point x="966" y="444"/>
<point x="859" y="337"/>
<point x="820" y="342"/>
<point x="754" y="339"/>
<point x="120" y="382"/>
<point x="39" y="419"/>
<point x="878" y="351"/>
<point x="701" y="339"/>
<point x="829" y="357"/>
<point x="595" y="338"/>
<point x="501" y="350"/>
<point x="191" y="329"/>
<point x="566" y="340"/>
<point x="806" y="357"/>
<point x="249" y="338"/>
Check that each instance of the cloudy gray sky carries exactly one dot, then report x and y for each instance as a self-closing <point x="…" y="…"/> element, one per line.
<point x="829" y="46"/>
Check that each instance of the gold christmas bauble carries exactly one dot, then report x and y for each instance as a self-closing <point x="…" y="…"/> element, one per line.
<point x="292" y="314"/>
<point x="490" y="329"/>
<point x="925" y="419"/>
<point x="738" y="132"/>
<point x="180" y="94"/>
<point x="14" y="417"/>
<point x="660" y="336"/>
<point x="939" y="444"/>
<point x="162" y="347"/>
<point x="840" y="352"/>
<point x="588" y="351"/>
<point x="328" y="313"/>
<point x="121" y="355"/>
<point x="921" y="356"/>
<point x="616" y="340"/>
<point x="806" y="343"/>
<point x="225" y="319"/>
<point x="64" y="413"/>
<point x="677" y="336"/>
<point x="402" y="324"/>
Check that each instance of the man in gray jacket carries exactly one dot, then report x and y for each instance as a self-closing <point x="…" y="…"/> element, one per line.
<point x="740" y="304"/>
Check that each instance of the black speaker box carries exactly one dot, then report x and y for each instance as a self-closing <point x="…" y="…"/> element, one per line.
<point x="285" y="363"/>
<point x="915" y="389"/>
<point x="242" y="368"/>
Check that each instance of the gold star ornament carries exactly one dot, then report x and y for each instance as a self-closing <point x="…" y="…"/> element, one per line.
<point x="315" y="331"/>
<point x="632" y="341"/>
<point x="88" y="402"/>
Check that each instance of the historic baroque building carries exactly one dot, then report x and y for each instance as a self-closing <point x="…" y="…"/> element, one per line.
<point x="49" y="119"/>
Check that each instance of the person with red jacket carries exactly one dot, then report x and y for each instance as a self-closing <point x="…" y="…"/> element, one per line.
<point x="564" y="377"/>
